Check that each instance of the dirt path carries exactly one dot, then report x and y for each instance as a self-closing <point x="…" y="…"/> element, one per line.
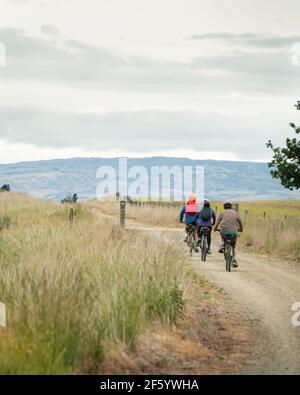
<point x="265" y="290"/>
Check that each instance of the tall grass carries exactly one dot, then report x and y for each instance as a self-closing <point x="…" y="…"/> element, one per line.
<point x="72" y="289"/>
<point x="277" y="235"/>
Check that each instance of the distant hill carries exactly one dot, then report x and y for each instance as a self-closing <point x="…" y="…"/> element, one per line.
<point x="54" y="179"/>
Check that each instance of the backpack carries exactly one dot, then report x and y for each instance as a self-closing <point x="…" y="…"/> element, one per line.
<point x="191" y="208"/>
<point x="206" y="214"/>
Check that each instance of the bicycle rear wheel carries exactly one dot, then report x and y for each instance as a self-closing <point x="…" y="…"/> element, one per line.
<point x="191" y="248"/>
<point x="191" y="244"/>
<point x="204" y="248"/>
<point x="228" y="257"/>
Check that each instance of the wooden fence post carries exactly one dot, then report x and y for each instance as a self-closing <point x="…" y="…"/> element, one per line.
<point x="2" y="314"/>
<point x="122" y="213"/>
<point x="246" y="212"/>
<point x="71" y="215"/>
<point x="236" y="207"/>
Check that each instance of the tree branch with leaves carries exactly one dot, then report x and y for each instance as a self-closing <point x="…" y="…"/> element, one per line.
<point x="285" y="165"/>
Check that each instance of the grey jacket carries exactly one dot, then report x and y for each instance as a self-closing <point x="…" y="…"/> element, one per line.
<point x="229" y="220"/>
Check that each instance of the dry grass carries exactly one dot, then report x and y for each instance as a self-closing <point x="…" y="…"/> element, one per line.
<point x="73" y="290"/>
<point x="200" y="343"/>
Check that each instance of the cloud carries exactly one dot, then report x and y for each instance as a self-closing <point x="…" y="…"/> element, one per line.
<point x="50" y="30"/>
<point x="295" y="54"/>
<point x="19" y="2"/>
<point x="133" y="131"/>
<point x="53" y="59"/>
<point x="29" y="2"/>
<point x="256" y="40"/>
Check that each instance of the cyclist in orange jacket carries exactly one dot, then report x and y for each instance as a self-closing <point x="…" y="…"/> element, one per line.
<point x="190" y="212"/>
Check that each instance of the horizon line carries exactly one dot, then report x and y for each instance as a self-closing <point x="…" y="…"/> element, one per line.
<point x="133" y="157"/>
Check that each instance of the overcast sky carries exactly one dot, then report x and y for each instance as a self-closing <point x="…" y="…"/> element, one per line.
<point x="197" y="78"/>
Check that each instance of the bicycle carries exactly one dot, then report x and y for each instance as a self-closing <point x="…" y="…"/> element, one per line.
<point x="229" y="241"/>
<point x="228" y="251"/>
<point x="204" y="232"/>
<point x="191" y="241"/>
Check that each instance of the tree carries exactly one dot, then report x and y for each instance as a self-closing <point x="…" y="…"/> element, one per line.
<point x="285" y="165"/>
<point x="5" y="188"/>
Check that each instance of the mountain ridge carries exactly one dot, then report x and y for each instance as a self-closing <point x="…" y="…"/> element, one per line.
<point x="55" y="178"/>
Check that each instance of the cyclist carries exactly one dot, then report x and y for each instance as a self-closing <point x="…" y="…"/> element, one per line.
<point x="189" y="211"/>
<point x="206" y="218"/>
<point x="230" y="224"/>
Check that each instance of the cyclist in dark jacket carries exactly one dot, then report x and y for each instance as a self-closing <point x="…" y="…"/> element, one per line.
<point x="206" y="218"/>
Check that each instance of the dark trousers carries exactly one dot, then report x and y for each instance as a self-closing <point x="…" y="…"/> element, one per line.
<point x="208" y="236"/>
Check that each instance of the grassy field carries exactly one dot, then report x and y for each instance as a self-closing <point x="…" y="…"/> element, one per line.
<point x="271" y="227"/>
<point x="73" y="289"/>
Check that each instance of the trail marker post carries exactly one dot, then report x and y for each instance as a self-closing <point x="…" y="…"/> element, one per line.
<point x="122" y="213"/>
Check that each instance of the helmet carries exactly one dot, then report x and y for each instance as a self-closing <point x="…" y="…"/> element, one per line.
<point x="227" y="205"/>
<point x="191" y="198"/>
<point x="206" y="203"/>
